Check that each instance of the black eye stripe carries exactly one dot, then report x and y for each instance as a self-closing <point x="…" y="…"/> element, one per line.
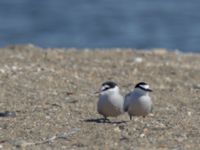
<point x="148" y="90"/>
<point x="106" y="88"/>
<point x="141" y="86"/>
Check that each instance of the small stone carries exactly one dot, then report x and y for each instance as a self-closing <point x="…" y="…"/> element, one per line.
<point x="145" y="130"/>
<point x="189" y="113"/>
<point x="39" y="69"/>
<point x="48" y="117"/>
<point x="196" y="86"/>
<point x="142" y="135"/>
<point x="18" y="143"/>
<point x="64" y="147"/>
<point x="136" y="119"/>
<point x="2" y="71"/>
<point x="138" y="60"/>
<point x="121" y="127"/>
<point x="65" y="135"/>
<point x="151" y="114"/>
<point x="168" y="79"/>
<point x="116" y="144"/>
<point x="117" y="129"/>
<point x="14" y="68"/>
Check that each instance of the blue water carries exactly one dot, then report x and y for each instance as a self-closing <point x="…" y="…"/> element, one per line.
<point x="142" y="24"/>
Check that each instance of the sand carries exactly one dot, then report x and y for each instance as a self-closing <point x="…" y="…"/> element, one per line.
<point x="52" y="93"/>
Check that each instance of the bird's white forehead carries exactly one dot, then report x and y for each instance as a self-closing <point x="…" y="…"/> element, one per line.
<point x="146" y="86"/>
<point x="104" y="87"/>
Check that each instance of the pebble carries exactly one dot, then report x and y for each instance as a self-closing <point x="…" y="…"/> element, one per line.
<point x="142" y="135"/>
<point x="138" y="60"/>
<point x="196" y="86"/>
<point x="136" y="119"/>
<point x="151" y="115"/>
<point x="18" y="143"/>
<point x="189" y="113"/>
<point x="65" y="135"/>
<point x="14" y="68"/>
<point x="117" y="129"/>
<point x="145" y="130"/>
<point x="2" y="71"/>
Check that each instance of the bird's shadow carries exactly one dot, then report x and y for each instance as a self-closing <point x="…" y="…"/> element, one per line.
<point x="103" y="121"/>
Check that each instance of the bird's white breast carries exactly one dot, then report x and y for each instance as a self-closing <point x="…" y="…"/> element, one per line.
<point x="139" y="105"/>
<point x="110" y="105"/>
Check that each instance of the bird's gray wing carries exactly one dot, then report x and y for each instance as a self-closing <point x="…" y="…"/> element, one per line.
<point x="126" y="102"/>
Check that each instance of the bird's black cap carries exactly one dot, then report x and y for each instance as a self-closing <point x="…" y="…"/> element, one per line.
<point x="144" y="86"/>
<point x="108" y="85"/>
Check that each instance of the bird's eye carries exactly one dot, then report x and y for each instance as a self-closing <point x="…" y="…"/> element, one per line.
<point x="104" y="88"/>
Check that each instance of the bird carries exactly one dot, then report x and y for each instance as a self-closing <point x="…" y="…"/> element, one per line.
<point x="138" y="102"/>
<point x="110" y="103"/>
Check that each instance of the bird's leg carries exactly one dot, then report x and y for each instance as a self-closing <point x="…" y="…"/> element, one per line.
<point x="106" y="119"/>
<point x="130" y="116"/>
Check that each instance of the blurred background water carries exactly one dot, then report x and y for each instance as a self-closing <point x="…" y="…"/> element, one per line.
<point x="142" y="24"/>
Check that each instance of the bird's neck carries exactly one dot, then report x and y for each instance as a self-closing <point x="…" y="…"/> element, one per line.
<point x="141" y="92"/>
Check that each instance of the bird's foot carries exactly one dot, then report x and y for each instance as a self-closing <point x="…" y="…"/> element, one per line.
<point x="130" y="116"/>
<point x="106" y="120"/>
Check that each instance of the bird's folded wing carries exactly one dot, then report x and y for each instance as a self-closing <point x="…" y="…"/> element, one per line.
<point x="126" y="102"/>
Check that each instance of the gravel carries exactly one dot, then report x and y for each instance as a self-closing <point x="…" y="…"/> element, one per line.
<point x="51" y="93"/>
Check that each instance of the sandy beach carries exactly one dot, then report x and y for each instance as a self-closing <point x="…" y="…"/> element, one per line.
<point x="52" y="93"/>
